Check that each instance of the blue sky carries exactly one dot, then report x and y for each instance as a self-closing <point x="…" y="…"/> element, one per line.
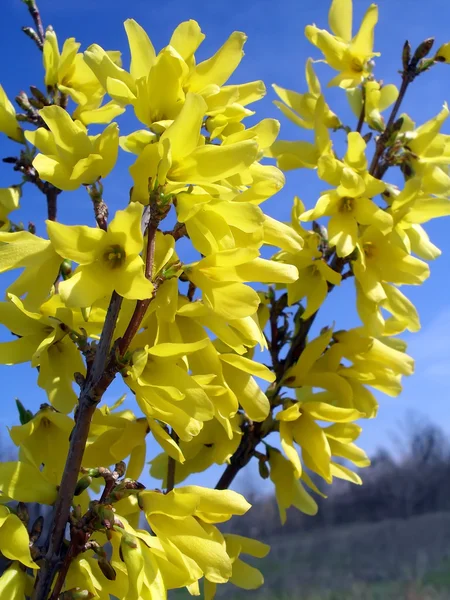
<point x="276" y="52"/>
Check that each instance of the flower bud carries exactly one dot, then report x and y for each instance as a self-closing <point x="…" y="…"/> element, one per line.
<point x="406" y="55"/>
<point x="22" y="513"/>
<point x="422" y="50"/>
<point x="66" y="269"/>
<point x="24" y="415"/>
<point x="107" y="569"/>
<point x="76" y="594"/>
<point x="263" y="469"/>
<point x="36" y="529"/>
<point x="120" y="468"/>
<point x="82" y="485"/>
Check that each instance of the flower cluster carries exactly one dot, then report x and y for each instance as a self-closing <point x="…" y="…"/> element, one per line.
<point x="180" y="312"/>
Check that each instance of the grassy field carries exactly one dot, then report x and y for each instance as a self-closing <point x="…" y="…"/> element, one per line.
<point x="391" y="560"/>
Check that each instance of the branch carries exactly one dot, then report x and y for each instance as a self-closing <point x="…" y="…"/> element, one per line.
<point x="51" y="195"/>
<point x="36" y="16"/>
<point x="141" y="305"/>
<point x="171" y="466"/>
<point x="96" y="383"/>
<point x="411" y="69"/>
<point x="362" y="114"/>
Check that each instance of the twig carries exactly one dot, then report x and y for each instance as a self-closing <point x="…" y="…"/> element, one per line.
<point x="171" y="466"/>
<point x="141" y="305"/>
<point x="36" y="16"/>
<point x="362" y="114"/>
<point x="52" y="195"/>
<point x="98" y="380"/>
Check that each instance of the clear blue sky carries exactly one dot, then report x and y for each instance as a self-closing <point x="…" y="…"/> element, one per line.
<point x="276" y="51"/>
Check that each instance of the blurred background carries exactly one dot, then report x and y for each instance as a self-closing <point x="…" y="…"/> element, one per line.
<point x="390" y="538"/>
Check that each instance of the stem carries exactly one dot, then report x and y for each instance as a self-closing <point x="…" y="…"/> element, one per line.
<point x="407" y="78"/>
<point x="96" y="383"/>
<point x="254" y="434"/>
<point x="36" y="16"/>
<point x="141" y="305"/>
<point x="362" y="114"/>
<point x="171" y="466"/>
<point x="52" y="195"/>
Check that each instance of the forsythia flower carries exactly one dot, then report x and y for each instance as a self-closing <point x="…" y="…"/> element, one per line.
<point x="70" y="157"/>
<point x="39" y="261"/>
<point x="43" y="340"/>
<point x="443" y="54"/>
<point x="301" y="108"/>
<point x="220" y="276"/>
<point x="350" y="56"/>
<point x="68" y="71"/>
<point x="14" y="539"/>
<point x="8" y="120"/>
<point x="189" y="513"/>
<point x="9" y="201"/>
<point x="243" y="575"/>
<point x="377" y="98"/>
<point x="108" y="260"/>
<point x="15" y="584"/>
<point x="288" y="489"/>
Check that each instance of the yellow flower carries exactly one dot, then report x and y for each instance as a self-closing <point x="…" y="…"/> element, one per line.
<point x="211" y="446"/>
<point x="14" y="539"/>
<point x="350" y="205"/>
<point x="238" y="373"/>
<point x="9" y="201"/>
<point x="70" y="157"/>
<point x="68" y="71"/>
<point x="243" y="575"/>
<point x="301" y="154"/>
<point x="181" y="157"/>
<point x="428" y="154"/>
<point x="187" y="514"/>
<point x="298" y="425"/>
<point x="15" y="584"/>
<point x="381" y="259"/>
<point x="220" y="276"/>
<point x="39" y="261"/>
<point x="108" y="260"/>
<point x="44" y="341"/>
<point x="185" y="405"/>
<point x="301" y="108"/>
<point x="443" y="54"/>
<point x="377" y="98"/>
<point x="156" y="84"/>
<point x="32" y="441"/>
<point x="23" y="482"/>
<point x="215" y="224"/>
<point x="288" y="489"/>
<point x="314" y="276"/>
<point x="342" y="52"/>
<point x="8" y="120"/>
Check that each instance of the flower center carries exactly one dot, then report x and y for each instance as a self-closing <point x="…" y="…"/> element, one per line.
<point x="114" y="256"/>
<point x="369" y="249"/>
<point x="347" y="205"/>
<point x="356" y="65"/>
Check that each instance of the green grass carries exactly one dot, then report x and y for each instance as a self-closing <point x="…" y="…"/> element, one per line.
<point x="390" y="560"/>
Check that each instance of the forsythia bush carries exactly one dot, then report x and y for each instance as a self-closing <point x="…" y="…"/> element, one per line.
<point x="115" y="298"/>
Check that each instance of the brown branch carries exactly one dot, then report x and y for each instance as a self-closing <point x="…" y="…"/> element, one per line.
<point x="171" y="466"/>
<point x="96" y="383"/>
<point x="411" y="69"/>
<point x="141" y="305"/>
<point x="362" y="114"/>
<point x="36" y="16"/>
<point x="51" y="195"/>
<point x="253" y="434"/>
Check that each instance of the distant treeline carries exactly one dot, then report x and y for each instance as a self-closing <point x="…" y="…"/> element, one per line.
<point x="413" y="480"/>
